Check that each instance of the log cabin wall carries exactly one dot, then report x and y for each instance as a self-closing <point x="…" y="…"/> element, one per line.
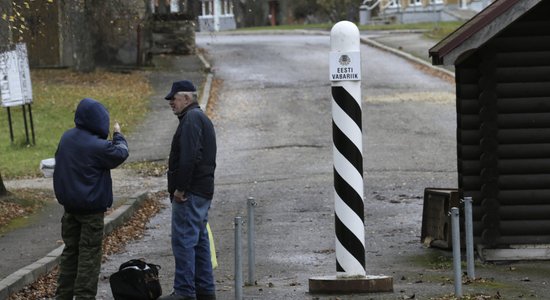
<point x="503" y="132"/>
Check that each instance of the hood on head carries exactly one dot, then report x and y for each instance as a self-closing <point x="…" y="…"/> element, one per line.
<point x="92" y="116"/>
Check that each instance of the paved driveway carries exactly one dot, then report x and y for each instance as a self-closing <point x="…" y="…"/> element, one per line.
<point x="273" y="122"/>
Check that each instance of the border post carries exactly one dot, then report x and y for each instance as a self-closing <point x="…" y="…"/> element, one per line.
<point x="345" y="65"/>
<point x="345" y="75"/>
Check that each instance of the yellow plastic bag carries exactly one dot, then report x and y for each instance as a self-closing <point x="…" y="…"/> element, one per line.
<point x="213" y="257"/>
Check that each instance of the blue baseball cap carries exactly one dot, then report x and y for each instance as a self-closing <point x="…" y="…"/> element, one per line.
<point x="180" y="86"/>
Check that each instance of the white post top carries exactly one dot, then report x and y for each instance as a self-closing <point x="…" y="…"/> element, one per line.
<point x="344" y="36"/>
<point x="345" y="55"/>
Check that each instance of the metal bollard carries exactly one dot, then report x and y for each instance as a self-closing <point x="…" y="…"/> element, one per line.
<point x="468" y="224"/>
<point x="238" y="261"/>
<point x="456" y="251"/>
<point x="251" y="237"/>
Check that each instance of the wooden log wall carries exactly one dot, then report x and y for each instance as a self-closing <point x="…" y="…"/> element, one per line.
<point x="503" y="133"/>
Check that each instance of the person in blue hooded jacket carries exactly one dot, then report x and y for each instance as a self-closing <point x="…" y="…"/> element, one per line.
<point x="83" y="185"/>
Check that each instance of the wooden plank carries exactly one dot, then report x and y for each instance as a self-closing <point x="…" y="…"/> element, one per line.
<point x="533" y="253"/>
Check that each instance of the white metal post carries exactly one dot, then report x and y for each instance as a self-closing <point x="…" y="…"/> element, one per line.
<point x="345" y="74"/>
<point x="217" y="12"/>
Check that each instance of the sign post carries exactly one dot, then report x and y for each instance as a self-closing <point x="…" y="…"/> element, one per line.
<point x="345" y="75"/>
<point x="15" y="85"/>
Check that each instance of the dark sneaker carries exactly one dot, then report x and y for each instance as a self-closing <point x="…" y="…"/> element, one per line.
<point x="206" y="297"/>
<point x="173" y="296"/>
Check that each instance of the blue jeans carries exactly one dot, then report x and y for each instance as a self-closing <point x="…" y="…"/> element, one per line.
<point x="191" y="247"/>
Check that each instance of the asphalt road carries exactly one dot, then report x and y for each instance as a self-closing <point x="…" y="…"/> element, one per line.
<point x="273" y="122"/>
<point x="276" y="145"/>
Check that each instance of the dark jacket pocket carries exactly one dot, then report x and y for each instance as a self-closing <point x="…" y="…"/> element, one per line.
<point x="172" y="179"/>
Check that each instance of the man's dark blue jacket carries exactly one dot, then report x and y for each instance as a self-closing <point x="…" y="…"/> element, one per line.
<point x="192" y="160"/>
<point x="84" y="158"/>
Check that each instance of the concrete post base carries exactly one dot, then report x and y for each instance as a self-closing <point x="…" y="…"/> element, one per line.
<point x="334" y="285"/>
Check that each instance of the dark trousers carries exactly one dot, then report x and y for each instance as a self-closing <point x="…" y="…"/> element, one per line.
<point x="80" y="261"/>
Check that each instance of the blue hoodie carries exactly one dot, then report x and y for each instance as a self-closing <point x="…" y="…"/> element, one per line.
<point x="83" y="160"/>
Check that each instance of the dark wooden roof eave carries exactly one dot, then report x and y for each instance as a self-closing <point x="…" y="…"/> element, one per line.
<point x="468" y="29"/>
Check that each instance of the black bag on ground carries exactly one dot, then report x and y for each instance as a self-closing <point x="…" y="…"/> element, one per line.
<point x="136" y="280"/>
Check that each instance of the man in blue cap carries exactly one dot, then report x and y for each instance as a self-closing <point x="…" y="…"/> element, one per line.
<point x="191" y="168"/>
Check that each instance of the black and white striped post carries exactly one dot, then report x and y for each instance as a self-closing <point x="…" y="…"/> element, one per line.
<point x="347" y="137"/>
<point x="345" y="75"/>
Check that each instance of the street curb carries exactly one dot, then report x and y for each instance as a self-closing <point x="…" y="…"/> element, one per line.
<point x="123" y="213"/>
<point x="367" y="41"/>
<point x="414" y="59"/>
<point x="364" y="40"/>
<point x="29" y="274"/>
<point x="205" y="94"/>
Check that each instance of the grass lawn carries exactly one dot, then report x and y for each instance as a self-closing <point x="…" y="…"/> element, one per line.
<point x="56" y="93"/>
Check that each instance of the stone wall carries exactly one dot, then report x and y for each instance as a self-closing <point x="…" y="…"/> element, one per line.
<point x="172" y="37"/>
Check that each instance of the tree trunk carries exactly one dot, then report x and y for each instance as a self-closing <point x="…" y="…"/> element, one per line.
<point x="79" y="19"/>
<point x="5" y="32"/>
<point x="3" y="190"/>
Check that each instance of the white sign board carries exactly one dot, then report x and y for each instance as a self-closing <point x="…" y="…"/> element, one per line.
<point x="345" y="66"/>
<point x="15" y="77"/>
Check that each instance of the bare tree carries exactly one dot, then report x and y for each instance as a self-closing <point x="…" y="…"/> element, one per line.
<point x="5" y="26"/>
<point x="81" y="34"/>
<point x="3" y="190"/>
<point x="338" y="10"/>
<point x="5" y="6"/>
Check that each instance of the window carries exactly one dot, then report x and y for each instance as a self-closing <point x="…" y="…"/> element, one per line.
<point x="393" y="3"/>
<point x="415" y="2"/>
